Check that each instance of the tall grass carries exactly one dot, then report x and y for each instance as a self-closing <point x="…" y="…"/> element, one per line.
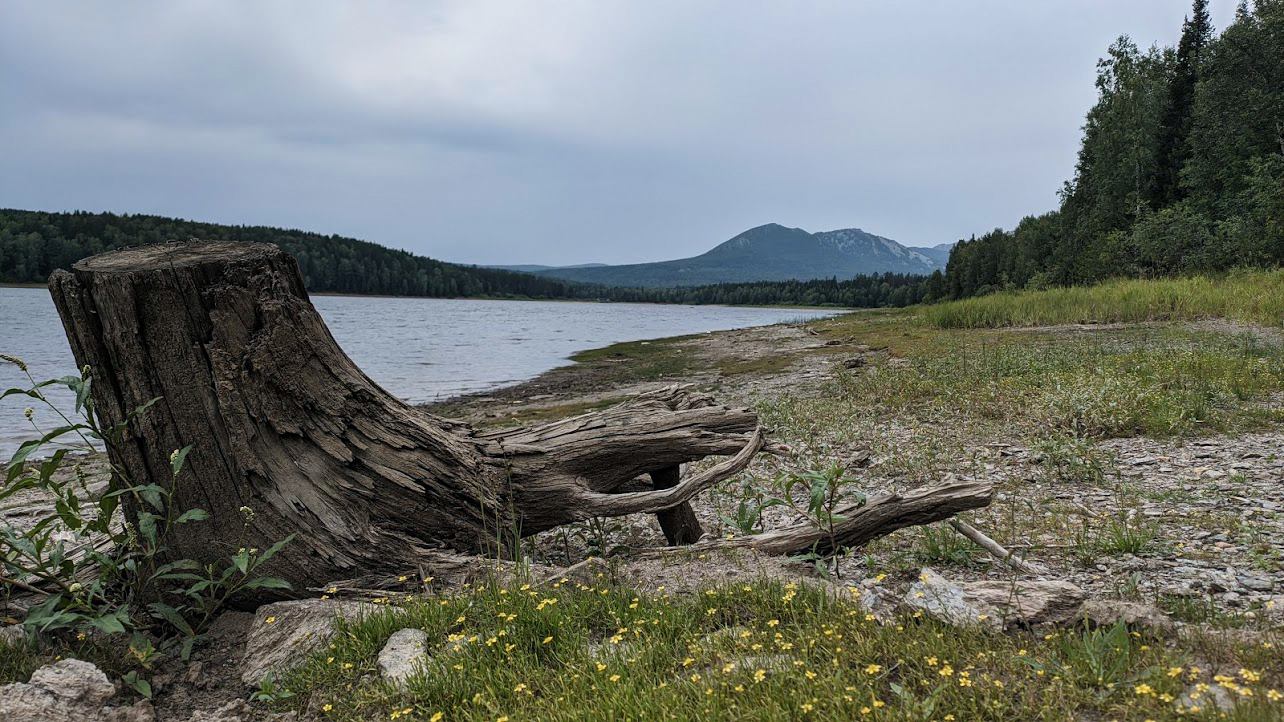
<point x="1250" y="296"/>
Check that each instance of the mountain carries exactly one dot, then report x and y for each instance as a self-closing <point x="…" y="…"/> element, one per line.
<point x="766" y="253"/>
<point x="940" y="254"/>
<point x="536" y="268"/>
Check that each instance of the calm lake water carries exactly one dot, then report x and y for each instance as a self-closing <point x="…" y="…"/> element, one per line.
<point x="419" y="349"/>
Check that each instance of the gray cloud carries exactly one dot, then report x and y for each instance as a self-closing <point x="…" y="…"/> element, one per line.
<point x="557" y="132"/>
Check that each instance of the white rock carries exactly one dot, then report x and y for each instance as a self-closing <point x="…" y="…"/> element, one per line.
<point x="284" y="633"/>
<point x="939" y="598"/>
<point x="404" y="655"/>
<point x="1028" y="603"/>
<point x="69" y="689"/>
<point x="995" y="603"/>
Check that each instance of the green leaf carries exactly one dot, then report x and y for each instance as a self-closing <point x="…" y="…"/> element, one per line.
<point x="267" y="583"/>
<point x="81" y="387"/>
<point x="177" y="464"/>
<point x="272" y="550"/>
<point x="147" y="526"/>
<point x="109" y="623"/>
<point x="192" y="515"/>
<point x="197" y="588"/>
<point x="819" y="489"/>
<point x="138" y="684"/>
<point x="139" y="411"/>
<point x="152" y="494"/>
<point x="50" y="465"/>
<point x="171" y="615"/>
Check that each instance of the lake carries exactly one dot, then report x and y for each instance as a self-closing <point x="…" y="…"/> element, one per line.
<point x="419" y="349"/>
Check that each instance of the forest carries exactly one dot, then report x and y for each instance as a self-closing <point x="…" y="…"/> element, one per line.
<point x="33" y="243"/>
<point x="1181" y="168"/>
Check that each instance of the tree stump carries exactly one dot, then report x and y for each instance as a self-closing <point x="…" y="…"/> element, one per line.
<point x="283" y="424"/>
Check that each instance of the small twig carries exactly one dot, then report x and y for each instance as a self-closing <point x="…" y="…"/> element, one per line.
<point x="1085" y="510"/>
<point x="566" y="572"/>
<point x="993" y="547"/>
<point x="24" y="585"/>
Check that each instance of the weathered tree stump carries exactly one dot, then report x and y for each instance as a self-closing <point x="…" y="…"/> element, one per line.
<point x="282" y="422"/>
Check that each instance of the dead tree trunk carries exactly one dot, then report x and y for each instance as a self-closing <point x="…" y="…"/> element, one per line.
<point x="281" y="421"/>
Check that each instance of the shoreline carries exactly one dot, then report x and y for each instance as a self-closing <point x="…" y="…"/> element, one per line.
<point x="743" y="362"/>
<point x="341" y="294"/>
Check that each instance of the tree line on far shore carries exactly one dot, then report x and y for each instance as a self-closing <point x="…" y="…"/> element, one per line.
<point x="34" y="243"/>
<point x="1181" y="168"/>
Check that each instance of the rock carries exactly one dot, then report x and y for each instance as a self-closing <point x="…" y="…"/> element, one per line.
<point x="778" y="663"/>
<point x="1203" y="697"/>
<point x="284" y="633"/>
<point x="995" y="603"/>
<point x="1256" y="582"/>
<point x="69" y="689"/>
<point x="403" y="656"/>
<point x="1109" y="612"/>
<point x="605" y="651"/>
<point x="235" y="711"/>
<point x="878" y="604"/>
<point x="141" y="711"/>
<point x="854" y="363"/>
<point x="943" y="600"/>
<point x="13" y="634"/>
<point x="1029" y="603"/>
<point x="721" y="637"/>
<point x="195" y="676"/>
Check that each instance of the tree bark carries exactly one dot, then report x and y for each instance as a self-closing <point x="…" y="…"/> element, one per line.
<point x="679" y="524"/>
<point x="283" y="423"/>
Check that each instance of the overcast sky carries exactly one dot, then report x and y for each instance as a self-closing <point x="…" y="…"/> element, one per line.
<point x="558" y="132"/>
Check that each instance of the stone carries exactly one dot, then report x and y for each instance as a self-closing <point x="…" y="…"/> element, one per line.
<point x="941" y="599"/>
<point x="1109" y="612"/>
<point x="1256" y="582"/>
<point x="141" y="711"/>
<point x="13" y="634"/>
<point x="1202" y="698"/>
<point x="721" y="637"/>
<point x="878" y="604"/>
<point x="283" y="634"/>
<point x="1029" y="603"/>
<point x="995" y="604"/>
<point x="237" y="710"/>
<point x="403" y="655"/>
<point x="69" y="689"/>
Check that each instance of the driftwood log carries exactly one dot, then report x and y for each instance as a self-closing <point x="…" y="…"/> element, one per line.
<point x="282" y="422"/>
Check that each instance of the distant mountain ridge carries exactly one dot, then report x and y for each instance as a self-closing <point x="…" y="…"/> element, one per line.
<point x="771" y="252"/>
<point x="939" y="253"/>
<point x="536" y="268"/>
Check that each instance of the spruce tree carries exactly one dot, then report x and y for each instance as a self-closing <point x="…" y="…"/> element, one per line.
<point x="1174" y="143"/>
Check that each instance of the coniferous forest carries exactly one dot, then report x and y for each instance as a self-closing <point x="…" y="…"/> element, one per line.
<point x="33" y="243"/>
<point x="1181" y="168"/>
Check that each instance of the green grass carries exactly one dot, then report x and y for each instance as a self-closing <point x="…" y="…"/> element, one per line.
<point x="1123" y="382"/>
<point x="759" y="651"/>
<point x="643" y="360"/>
<point x="1249" y="296"/>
